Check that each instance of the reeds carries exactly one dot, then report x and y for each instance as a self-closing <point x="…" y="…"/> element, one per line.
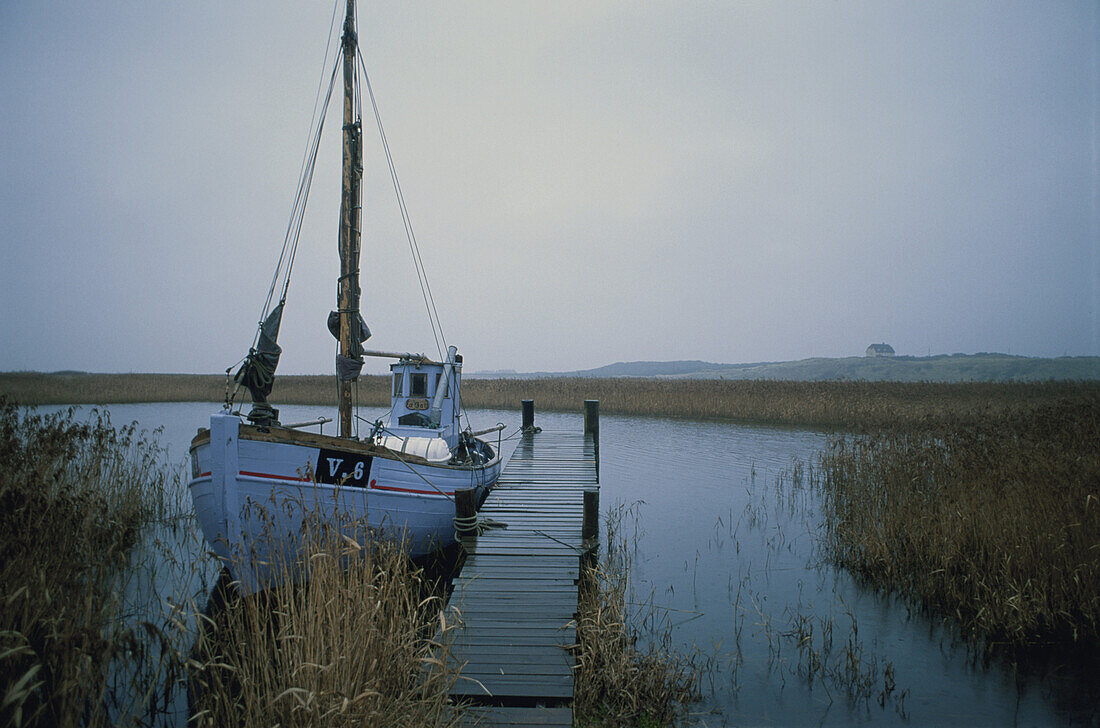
<point x="75" y="498"/>
<point x="628" y="672"/>
<point x="842" y="404"/>
<point x="100" y="590"/>
<point x="995" y="525"/>
<point x="348" y="644"/>
<point x="859" y="405"/>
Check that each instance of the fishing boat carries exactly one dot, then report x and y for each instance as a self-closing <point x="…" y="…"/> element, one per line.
<point x="254" y="481"/>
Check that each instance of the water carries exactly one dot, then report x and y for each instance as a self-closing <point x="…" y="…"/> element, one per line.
<point x="726" y="557"/>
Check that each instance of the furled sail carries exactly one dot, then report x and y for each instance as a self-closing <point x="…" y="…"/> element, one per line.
<point x="348" y="367"/>
<point x="258" y="371"/>
<point x="334" y="326"/>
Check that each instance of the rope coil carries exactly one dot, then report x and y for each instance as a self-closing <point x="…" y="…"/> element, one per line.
<point x="472" y="525"/>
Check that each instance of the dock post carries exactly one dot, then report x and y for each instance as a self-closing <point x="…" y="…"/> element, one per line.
<point x="592" y="427"/>
<point x="590" y="543"/>
<point x="590" y="525"/>
<point x="465" y="513"/>
<point x="528" y="415"/>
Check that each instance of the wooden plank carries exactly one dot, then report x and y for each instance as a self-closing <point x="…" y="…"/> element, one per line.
<point x="483" y="566"/>
<point x="534" y="685"/>
<point x="535" y="536"/>
<point x="556" y="615"/>
<point x="560" y="629"/>
<point x="559" y="611"/>
<point x="530" y="560"/>
<point x="517" y="639"/>
<point x="514" y="599"/>
<point x="518" y="569"/>
<point x="544" y="665"/>
<point x="526" y="686"/>
<point x="543" y="686"/>
<point x="501" y="584"/>
<point x="520" y="717"/>
<point x="507" y="627"/>
<point x="535" y="680"/>
<point x="541" y="655"/>
<point x="544" y="549"/>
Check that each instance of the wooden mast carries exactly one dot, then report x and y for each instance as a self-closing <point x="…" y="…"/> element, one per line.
<point x="348" y="288"/>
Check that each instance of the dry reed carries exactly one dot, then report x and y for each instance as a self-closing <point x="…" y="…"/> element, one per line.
<point x="995" y="525"/>
<point x="75" y="498"/>
<point x="346" y="645"/>
<point x="626" y="675"/>
<point x="96" y="617"/>
<point x="842" y="404"/>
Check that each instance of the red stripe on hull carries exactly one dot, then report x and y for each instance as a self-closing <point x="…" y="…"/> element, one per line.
<point x="294" y="478"/>
<point x="307" y="480"/>
<point x="408" y="490"/>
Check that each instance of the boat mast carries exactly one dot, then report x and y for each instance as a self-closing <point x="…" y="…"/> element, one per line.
<point x="350" y="207"/>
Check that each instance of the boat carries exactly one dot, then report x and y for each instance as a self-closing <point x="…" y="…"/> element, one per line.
<point x="255" y="481"/>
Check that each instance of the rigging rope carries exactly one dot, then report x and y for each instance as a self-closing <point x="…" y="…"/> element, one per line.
<point x="305" y="178"/>
<point x="414" y="247"/>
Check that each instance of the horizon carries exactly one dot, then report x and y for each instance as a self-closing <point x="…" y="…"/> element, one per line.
<point x="485" y="372"/>
<point x="751" y="183"/>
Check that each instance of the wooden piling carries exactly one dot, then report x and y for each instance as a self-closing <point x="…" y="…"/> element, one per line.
<point x="592" y="427"/>
<point x="466" y="512"/>
<point x="528" y="414"/>
<point x="590" y="527"/>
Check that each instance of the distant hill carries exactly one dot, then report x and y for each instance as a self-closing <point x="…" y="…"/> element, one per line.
<point x="941" y="368"/>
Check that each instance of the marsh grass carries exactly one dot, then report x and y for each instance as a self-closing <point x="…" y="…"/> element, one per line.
<point x="866" y="406"/>
<point x="629" y="673"/>
<point x="345" y="641"/>
<point x="994" y="525"/>
<point x="830" y="653"/>
<point x="101" y="584"/>
<point x="75" y="498"/>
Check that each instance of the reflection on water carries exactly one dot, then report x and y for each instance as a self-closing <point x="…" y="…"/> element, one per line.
<point x="727" y="552"/>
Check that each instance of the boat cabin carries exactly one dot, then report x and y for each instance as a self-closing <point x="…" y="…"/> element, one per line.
<point x="425" y="398"/>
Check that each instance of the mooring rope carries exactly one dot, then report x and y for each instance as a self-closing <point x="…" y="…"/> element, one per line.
<point x="466" y="525"/>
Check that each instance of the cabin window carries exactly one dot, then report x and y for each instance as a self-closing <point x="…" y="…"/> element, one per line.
<point x="418" y="385"/>
<point x="398" y="380"/>
<point x="437" y="376"/>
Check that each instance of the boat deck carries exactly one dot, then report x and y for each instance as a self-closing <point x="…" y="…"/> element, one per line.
<point x="516" y="596"/>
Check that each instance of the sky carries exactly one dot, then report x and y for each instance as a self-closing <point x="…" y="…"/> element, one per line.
<point x="589" y="182"/>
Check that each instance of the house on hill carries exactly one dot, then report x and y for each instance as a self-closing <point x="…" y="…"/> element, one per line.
<point x="880" y="350"/>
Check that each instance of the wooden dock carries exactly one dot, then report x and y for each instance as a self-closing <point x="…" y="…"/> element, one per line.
<point x="516" y="596"/>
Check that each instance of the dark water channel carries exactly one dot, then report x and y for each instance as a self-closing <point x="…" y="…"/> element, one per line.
<point x="725" y="556"/>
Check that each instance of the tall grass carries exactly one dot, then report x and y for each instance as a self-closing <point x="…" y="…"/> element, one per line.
<point x="347" y="645"/>
<point x="98" y="611"/>
<point x="841" y="404"/>
<point x="995" y="525"/>
<point x="75" y="498"/>
<point x="859" y="405"/>
<point x="628" y="672"/>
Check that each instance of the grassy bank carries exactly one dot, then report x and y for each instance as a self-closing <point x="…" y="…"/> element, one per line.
<point x="852" y="405"/>
<point x="995" y="525"/>
<point x="75" y="498"/>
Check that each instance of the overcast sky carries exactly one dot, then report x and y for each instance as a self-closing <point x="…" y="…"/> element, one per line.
<point x="590" y="182"/>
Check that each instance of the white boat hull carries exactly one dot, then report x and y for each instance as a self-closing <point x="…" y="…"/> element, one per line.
<point x="253" y="491"/>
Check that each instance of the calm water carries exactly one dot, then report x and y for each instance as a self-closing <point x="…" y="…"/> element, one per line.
<point x="726" y="557"/>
